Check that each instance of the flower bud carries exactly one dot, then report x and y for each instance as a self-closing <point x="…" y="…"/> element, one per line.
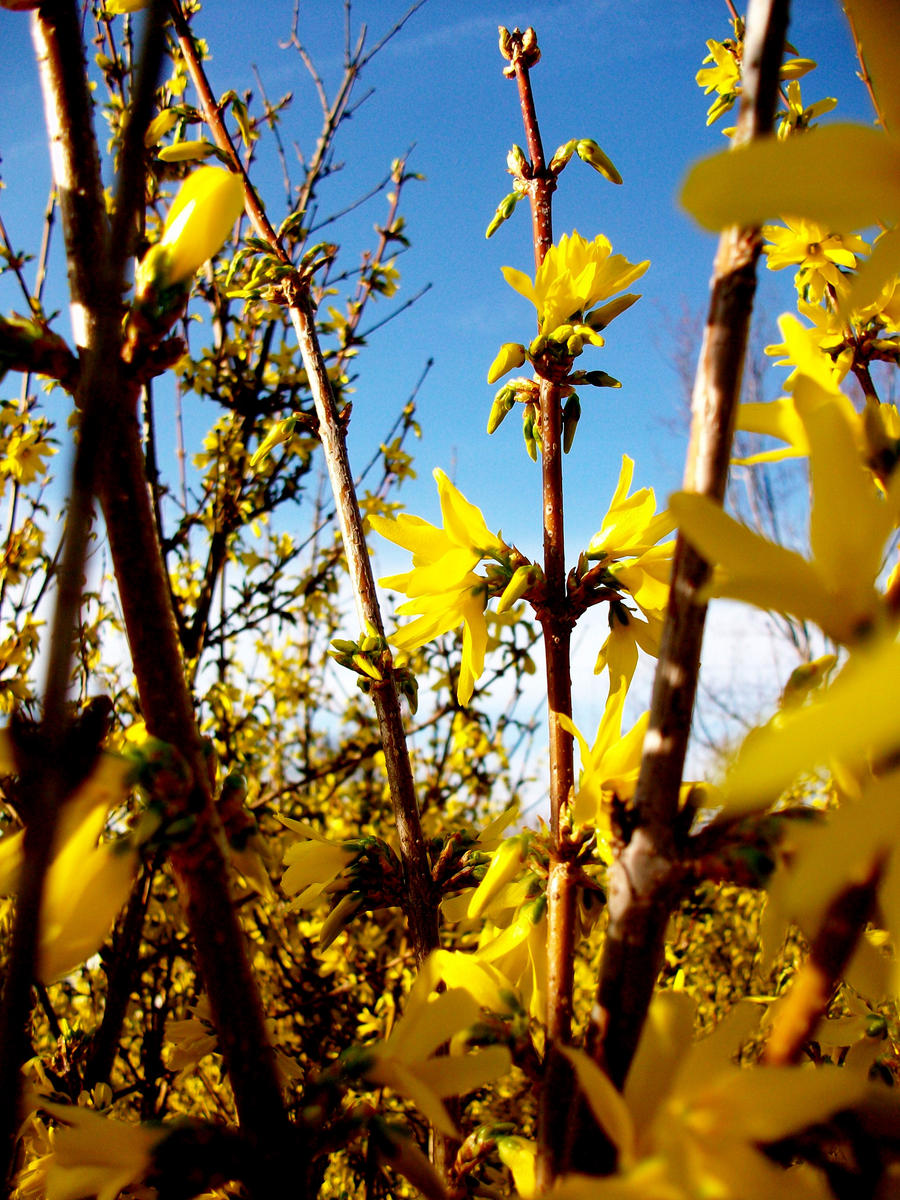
<point x="160" y="126"/>
<point x="600" y="379"/>
<point x="505" y="43"/>
<point x="588" y="151"/>
<point x="502" y="406"/>
<point x="601" y="317"/>
<point x="570" y="418"/>
<point x="202" y="214"/>
<point x="504" y="211"/>
<point x="186" y="151"/>
<point x="523" y="579"/>
<point x="510" y="356"/>
<point x="562" y="156"/>
<point x="516" y="161"/>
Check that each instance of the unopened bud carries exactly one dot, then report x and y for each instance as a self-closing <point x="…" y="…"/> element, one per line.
<point x="160" y="126"/>
<point x="202" y="214"/>
<point x="562" y="156"/>
<point x="500" y="409"/>
<point x="516" y="161"/>
<point x="505" y="210"/>
<point x="510" y="356"/>
<point x="601" y="379"/>
<point x="588" y="151"/>
<point x="505" y="43"/>
<point x="570" y="417"/>
<point x="531" y="430"/>
<point x="186" y="151"/>
<point x="530" y="49"/>
<point x="523" y="579"/>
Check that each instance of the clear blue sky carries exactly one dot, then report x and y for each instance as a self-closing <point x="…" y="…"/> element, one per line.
<point x="620" y="71"/>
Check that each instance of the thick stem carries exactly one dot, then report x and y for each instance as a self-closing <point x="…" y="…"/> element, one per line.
<point x="116" y="464"/>
<point x="168" y="709"/>
<point x="76" y="172"/>
<point x="796" y="1016"/>
<point x="644" y="881"/>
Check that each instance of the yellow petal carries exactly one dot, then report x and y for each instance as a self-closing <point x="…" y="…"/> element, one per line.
<point x="849" y="721"/>
<point x="606" y="1103"/>
<point x="459" y="1074"/>
<point x="425" y="1026"/>
<point x="757" y="182"/>
<point x="79" y="908"/>
<point x="753" y="568"/>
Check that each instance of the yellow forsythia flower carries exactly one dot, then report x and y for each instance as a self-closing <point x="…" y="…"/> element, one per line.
<point x="575" y="276"/>
<point x="206" y="207"/>
<point x="86" y="883"/>
<point x="94" y="1156"/>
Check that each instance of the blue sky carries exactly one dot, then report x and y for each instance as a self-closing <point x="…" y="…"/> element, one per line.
<point x="619" y="71"/>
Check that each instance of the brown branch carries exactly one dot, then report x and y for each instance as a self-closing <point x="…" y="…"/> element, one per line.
<point x="796" y="1016"/>
<point x="644" y="880"/>
<point x="557" y="621"/>
<point x="139" y="569"/>
<point x="422" y="906"/>
<point x="95" y="263"/>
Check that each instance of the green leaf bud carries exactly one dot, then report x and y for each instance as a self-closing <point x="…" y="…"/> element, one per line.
<point x="562" y="156"/>
<point x="570" y="418"/>
<point x="601" y="379"/>
<point x="502" y="406"/>
<point x="509" y="356"/>
<point x="531" y="430"/>
<point x="588" y="151"/>
<point x="505" y="210"/>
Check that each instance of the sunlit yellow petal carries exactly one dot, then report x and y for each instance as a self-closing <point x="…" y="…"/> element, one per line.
<point x="849" y="721"/>
<point x="753" y="568"/>
<point x="758" y="181"/>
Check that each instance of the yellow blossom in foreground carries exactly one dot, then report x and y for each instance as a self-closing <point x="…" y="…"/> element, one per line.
<point x="609" y="768"/>
<point x="94" y="1156"/>
<point x="691" y="1124"/>
<point x="850" y="522"/>
<point x="202" y="214"/>
<point x="86" y="883"/>
<point x="574" y="277"/>
<point x="408" y="1061"/>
